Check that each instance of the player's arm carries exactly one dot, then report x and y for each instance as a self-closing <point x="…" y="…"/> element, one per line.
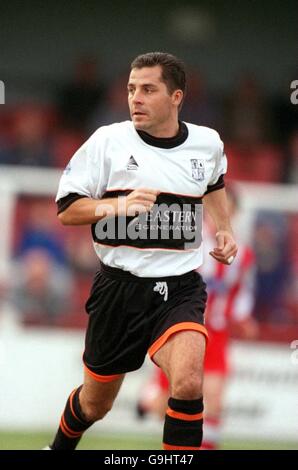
<point x="85" y="210"/>
<point x="217" y="206"/>
<point x="83" y="184"/>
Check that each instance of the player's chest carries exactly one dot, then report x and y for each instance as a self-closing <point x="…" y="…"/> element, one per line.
<point x="184" y="171"/>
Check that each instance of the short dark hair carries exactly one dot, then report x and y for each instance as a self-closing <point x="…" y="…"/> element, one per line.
<point x="173" y="69"/>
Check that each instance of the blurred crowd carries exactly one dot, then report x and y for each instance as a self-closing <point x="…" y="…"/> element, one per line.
<point x="260" y="131"/>
<point x="53" y="265"/>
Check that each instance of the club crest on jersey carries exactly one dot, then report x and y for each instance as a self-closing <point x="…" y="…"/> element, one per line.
<point x="132" y="164"/>
<point x="197" y="169"/>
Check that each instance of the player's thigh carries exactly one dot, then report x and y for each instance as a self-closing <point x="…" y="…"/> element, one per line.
<point x="100" y="393"/>
<point x="182" y="355"/>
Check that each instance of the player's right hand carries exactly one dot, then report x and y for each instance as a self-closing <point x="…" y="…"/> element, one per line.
<point x="140" y="201"/>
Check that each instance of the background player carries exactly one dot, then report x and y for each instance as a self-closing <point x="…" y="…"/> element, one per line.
<point x="230" y="304"/>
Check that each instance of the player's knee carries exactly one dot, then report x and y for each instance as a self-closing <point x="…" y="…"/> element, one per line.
<point x="188" y="387"/>
<point x="95" y="411"/>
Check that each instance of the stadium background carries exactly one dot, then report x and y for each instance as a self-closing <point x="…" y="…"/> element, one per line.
<point x="65" y="69"/>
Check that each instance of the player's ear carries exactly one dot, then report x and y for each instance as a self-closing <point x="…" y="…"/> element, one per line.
<point x="177" y="97"/>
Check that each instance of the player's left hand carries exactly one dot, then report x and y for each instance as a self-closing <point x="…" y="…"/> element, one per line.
<point x="226" y="248"/>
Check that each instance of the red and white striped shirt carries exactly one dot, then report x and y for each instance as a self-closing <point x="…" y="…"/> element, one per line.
<point x="230" y="288"/>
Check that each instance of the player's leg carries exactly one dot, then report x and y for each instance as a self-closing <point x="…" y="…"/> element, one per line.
<point x="214" y="385"/>
<point x="85" y="405"/>
<point x="97" y="398"/>
<point x="181" y="358"/>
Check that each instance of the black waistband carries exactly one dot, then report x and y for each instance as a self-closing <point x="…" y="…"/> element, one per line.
<point x="115" y="273"/>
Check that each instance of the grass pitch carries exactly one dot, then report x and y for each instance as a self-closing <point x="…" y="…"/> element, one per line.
<point x="37" y="440"/>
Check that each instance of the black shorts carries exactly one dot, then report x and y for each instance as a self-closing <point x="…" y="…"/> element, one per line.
<point x="130" y="316"/>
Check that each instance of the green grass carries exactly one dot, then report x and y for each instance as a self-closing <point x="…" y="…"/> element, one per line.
<point x="34" y="441"/>
<point x="30" y="441"/>
<point x="259" y="445"/>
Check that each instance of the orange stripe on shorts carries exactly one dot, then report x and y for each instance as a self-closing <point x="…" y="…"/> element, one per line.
<point x="102" y="378"/>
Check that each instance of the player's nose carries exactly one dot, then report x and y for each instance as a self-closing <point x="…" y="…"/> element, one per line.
<point x="137" y="97"/>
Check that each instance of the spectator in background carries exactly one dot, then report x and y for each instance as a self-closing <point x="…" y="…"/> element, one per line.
<point x="65" y="143"/>
<point x="272" y="266"/>
<point x="252" y="156"/>
<point x="78" y="99"/>
<point x="247" y="112"/>
<point x="291" y="160"/>
<point x="199" y="106"/>
<point x="30" y="141"/>
<point x="80" y="252"/>
<point x="41" y="291"/>
<point x="40" y="231"/>
<point x="115" y="106"/>
<point x="291" y="298"/>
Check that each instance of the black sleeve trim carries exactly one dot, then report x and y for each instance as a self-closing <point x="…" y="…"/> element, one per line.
<point x="66" y="201"/>
<point x="220" y="183"/>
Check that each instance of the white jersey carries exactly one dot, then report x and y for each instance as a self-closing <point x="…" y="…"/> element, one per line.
<point x="116" y="160"/>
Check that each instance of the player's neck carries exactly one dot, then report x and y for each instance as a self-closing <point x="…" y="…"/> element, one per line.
<point x="166" y="142"/>
<point x="166" y="132"/>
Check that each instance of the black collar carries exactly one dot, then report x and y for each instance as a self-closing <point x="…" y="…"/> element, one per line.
<point x="166" y="142"/>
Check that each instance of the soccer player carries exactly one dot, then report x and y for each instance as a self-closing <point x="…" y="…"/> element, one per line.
<point x="230" y="303"/>
<point x="140" y="184"/>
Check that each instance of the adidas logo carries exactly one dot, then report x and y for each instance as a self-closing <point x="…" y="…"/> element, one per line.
<point x="132" y="164"/>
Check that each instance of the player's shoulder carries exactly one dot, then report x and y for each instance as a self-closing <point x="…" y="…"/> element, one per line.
<point x="104" y="135"/>
<point x="112" y="130"/>
<point x="211" y="136"/>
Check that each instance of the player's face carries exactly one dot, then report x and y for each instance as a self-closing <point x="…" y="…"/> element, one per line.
<point x="152" y="108"/>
